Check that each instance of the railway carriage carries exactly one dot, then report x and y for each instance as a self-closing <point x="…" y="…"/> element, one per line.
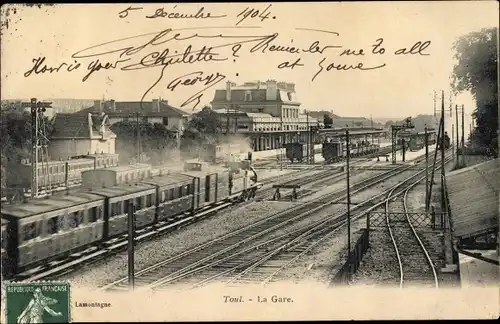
<point x="5" y="240"/>
<point x="113" y="176"/>
<point x="175" y="195"/>
<point x="117" y="207"/>
<point x="48" y="228"/>
<point x="208" y="177"/>
<point x="54" y="174"/>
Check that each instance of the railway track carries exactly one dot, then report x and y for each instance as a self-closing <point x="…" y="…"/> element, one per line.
<point x="264" y="267"/>
<point x="222" y="249"/>
<point x="416" y="267"/>
<point x="94" y="253"/>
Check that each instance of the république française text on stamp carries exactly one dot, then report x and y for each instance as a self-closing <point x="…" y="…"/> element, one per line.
<point x="37" y="302"/>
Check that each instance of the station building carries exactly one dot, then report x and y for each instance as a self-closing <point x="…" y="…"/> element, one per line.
<point x="269" y="113"/>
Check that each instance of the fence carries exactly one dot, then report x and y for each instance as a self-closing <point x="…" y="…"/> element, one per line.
<point x="344" y="274"/>
<point x="430" y="220"/>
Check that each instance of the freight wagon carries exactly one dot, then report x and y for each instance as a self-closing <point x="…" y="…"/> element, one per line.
<point x="296" y="151"/>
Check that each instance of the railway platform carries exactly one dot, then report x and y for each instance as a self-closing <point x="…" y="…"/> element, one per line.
<point x="479" y="273"/>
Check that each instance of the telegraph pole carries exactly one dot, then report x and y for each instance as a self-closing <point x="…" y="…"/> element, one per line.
<point x="455" y="148"/>
<point x="227" y="119"/>
<point x="34" y="151"/>
<point x="463" y="139"/>
<point x="426" y="171"/>
<point x="371" y="123"/>
<point x="138" y="137"/>
<point x="308" y="139"/>
<point x="442" y="140"/>
<point x="131" y="236"/>
<point x="348" y="199"/>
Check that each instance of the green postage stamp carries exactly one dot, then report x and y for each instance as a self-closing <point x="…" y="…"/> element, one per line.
<point x="37" y="302"/>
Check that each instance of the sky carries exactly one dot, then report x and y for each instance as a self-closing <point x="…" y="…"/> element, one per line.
<point x="402" y="87"/>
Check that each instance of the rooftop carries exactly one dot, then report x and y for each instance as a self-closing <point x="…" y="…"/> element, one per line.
<point x="473" y="197"/>
<point x="127" y="108"/>
<point x="78" y="126"/>
<point x="43" y="205"/>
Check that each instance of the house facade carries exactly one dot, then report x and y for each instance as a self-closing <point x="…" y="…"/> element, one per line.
<point x="80" y="134"/>
<point x="156" y="111"/>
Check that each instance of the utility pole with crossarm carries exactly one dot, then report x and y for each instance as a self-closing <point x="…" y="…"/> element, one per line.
<point x="394" y="132"/>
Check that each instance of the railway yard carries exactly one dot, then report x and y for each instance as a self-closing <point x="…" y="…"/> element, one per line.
<point x="266" y="240"/>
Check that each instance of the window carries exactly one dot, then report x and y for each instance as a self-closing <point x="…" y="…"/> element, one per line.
<point x="93" y="212"/>
<point x="248" y="96"/>
<point x="172" y="195"/>
<point x="149" y="200"/>
<point x="30" y="231"/>
<point x="126" y="205"/>
<point x="138" y="203"/>
<point x="116" y="208"/>
<point x="52" y="224"/>
<point x="74" y="219"/>
<point x="165" y="121"/>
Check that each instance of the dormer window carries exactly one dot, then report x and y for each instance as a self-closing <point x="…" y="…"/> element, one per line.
<point x="248" y="96"/>
<point x="289" y="96"/>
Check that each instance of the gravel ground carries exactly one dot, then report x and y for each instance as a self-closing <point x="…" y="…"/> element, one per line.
<point x="151" y="252"/>
<point x="379" y="265"/>
<point x="321" y="262"/>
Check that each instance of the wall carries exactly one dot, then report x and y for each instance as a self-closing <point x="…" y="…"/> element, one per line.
<point x="65" y="148"/>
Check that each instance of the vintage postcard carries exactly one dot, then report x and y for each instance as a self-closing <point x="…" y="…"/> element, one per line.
<point x="249" y="161"/>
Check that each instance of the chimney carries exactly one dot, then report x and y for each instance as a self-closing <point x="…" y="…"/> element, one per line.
<point x="271" y="93"/>
<point x="113" y="105"/>
<point x="228" y="90"/>
<point x="98" y="105"/>
<point x="156" y="105"/>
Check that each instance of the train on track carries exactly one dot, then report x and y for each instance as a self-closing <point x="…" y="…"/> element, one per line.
<point x="417" y="140"/>
<point x="337" y="151"/>
<point x="41" y="230"/>
<point x="447" y="141"/>
<point x="54" y="174"/>
<point x="331" y="151"/>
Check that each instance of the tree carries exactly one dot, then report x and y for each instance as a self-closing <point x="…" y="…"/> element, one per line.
<point x="476" y="71"/>
<point x="205" y="127"/>
<point x="388" y="124"/>
<point x="328" y="121"/>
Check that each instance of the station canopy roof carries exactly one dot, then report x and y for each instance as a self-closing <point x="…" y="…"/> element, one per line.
<point x="473" y="194"/>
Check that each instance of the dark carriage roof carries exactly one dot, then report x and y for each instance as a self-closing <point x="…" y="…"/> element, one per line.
<point x="168" y="179"/>
<point x="122" y="189"/>
<point x="44" y="205"/>
<point x="473" y="196"/>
